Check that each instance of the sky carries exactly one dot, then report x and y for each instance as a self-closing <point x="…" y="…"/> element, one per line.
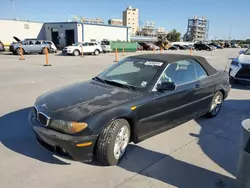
<point x="225" y="16"/>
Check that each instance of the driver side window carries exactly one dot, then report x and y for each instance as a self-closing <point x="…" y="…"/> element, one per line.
<point x="179" y="72"/>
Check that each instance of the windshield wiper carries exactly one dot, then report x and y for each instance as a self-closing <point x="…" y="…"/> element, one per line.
<point x="120" y="84"/>
<point x="99" y="79"/>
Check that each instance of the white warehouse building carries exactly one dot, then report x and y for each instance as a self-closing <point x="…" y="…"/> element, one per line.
<point x="62" y="33"/>
<point x="66" y="33"/>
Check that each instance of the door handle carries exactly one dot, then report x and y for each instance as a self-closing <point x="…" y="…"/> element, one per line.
<point x="197" y="86"/>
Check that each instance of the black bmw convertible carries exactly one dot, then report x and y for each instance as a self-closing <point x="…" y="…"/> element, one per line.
<point x="132" y="100"/>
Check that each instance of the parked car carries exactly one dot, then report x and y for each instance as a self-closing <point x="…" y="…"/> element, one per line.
<point x="177" y="47"/>
<point x="200" y="46"/>
<point x="106" y="46"/>
<point x="227" y="45"/>
<point x="53" y="48"/>
<point x="216" y="46"/>
<point x="130" y="101"/>
<point x="146" y="46"/>
<point x="187" y="47"/>
<point x="239" y="69"/>
<point x="29" y="45"/>
<point x="173" y="48"/>
<point x="139" y="47"/>
<point x="154" y="46"/>
<point x="2" y="48"/>
<point x="87" y="47"/>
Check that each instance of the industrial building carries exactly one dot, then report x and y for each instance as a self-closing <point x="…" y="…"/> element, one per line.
<point x="62" y="33"/>
<point x="131" y="19"/>
<point x="67" y="33"/>
<point x="118" y="22"/>
<point x="197" y="29"/>
<point x="20" y="29"/>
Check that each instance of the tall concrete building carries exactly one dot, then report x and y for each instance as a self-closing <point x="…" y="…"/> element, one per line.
<point x="197" y="29"/>
<point x="131" y="19"/>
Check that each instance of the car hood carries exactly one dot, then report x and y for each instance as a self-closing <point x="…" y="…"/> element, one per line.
<point x="17" y="39"/>
<point x="245" y="59"/>
<point x="77" y="101"/>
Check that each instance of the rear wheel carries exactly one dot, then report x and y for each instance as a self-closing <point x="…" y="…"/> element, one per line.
<point x="215" y="105"/>
<point x="113" y="141"/>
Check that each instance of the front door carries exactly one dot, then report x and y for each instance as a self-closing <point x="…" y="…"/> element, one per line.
<point x="169" y="108"/>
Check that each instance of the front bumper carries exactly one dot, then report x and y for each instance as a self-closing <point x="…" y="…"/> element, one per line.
<point x="66" y="144"/>
<point x="241" y="73"/>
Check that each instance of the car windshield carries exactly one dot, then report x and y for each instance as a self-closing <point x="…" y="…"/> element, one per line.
<point x="76" y="44"/>
<point x="136" y="73"/>
<point x="247" y="52"/>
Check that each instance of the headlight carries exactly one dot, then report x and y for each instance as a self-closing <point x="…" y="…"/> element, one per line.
<point x="68" y="127"/>
<point x="235" y="63"/>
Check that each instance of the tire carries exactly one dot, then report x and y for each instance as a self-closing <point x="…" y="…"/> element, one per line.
<point x="76" y="53"/>
<point x="105" y="150"/>
<point x="214" y="112"/>
<point x="96" y="52"/>
<point x="44" y="50"/>
<point x="18" y="51"/>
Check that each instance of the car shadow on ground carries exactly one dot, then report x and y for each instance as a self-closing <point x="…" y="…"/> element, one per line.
<point x="167" y="169"/>
<point x="17" y="135"/>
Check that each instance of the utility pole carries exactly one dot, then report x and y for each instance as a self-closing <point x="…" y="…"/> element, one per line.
<point x="230" y="29"/>
<point x="14" y="10"/>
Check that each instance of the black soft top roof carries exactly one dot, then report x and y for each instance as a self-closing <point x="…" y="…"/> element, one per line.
<point x="169" y="58"/>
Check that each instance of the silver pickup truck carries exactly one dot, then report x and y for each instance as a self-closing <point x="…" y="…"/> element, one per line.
<point x="29" y="46"/>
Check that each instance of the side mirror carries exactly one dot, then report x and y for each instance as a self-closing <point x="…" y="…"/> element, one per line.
<point x="242" y="52"/>
<point x="166" y="86"/>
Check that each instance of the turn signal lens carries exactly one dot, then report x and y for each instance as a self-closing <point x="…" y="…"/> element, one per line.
<point x="76" y="127"/>
<point x="84" y="144"/>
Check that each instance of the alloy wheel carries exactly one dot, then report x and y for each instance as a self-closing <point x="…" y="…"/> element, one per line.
<point x="121" y="142"/>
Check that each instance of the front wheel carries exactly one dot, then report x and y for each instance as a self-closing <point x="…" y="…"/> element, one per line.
<point x="113" y="141"/>
<point x="215" y="105"/>
<point x="18" y="51"/>
<point x="96" y="52"/>
<point x="76" y="53"/>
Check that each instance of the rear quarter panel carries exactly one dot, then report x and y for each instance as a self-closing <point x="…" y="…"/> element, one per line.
<point x="222" y="83"/>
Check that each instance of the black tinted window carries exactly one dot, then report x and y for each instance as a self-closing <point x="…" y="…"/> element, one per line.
<point x="38" y="42"/>
<point x="200" y="71"/>
<point x="91" y="44"/>
<point x="180" y="72"/>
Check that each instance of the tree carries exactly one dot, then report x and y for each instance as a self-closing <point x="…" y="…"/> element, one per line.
<point x="174" y="36"/>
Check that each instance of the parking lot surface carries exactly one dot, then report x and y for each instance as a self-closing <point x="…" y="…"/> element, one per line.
<point x="200" y="153"/>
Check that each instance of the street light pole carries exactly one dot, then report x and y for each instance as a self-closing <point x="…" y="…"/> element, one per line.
<point x="14" y="10"/>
